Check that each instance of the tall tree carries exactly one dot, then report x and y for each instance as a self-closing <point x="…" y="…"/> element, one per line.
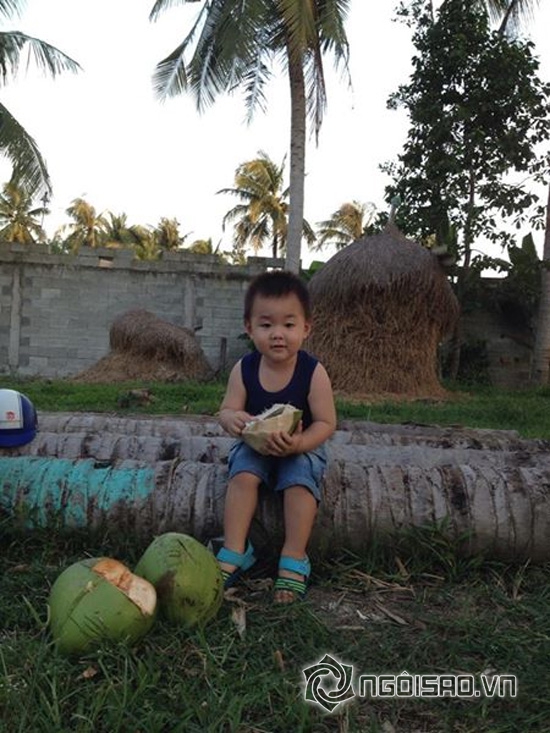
<point x="348" y="223"/>
<point x="20" y="219"/>
<point x="478" y="111"/>
<point x="146" y="246"/>
<point x="206" y="247"/>
<point x="511" y="14"/>
<point x="237" y="44"/>
<point x="117" y="232"/>
<point x="261" y="218"/>
<point x="29" y="167"/>
<point x="167" y="233"/>
<point x="540" y="370"/>
<point x="87" y="229"/>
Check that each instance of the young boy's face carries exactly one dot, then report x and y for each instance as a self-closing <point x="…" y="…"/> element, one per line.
<point x="277" y="326"/>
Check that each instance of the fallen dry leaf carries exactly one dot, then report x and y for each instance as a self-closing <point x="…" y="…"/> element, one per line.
<point x="390" y="614"/>
<point x="279" y="661"/>
<point x="89" y="672"/>
<point x="238" y="616"/>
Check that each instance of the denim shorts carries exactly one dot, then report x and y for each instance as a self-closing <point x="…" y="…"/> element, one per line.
<point x="301" y="469"/>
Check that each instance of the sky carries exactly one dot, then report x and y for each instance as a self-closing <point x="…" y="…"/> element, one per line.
<point x="106" y="138"/>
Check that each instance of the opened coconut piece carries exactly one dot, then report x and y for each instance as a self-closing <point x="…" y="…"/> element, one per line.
<point x="97" y="600"/>
<point x="278" y="418"/>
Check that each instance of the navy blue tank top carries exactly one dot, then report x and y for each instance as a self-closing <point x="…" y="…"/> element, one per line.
<point x="295" y="393"/>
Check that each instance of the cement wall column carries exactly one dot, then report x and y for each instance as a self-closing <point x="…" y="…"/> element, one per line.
<point x="15" y="319"/>
<point x="189" y="303"/>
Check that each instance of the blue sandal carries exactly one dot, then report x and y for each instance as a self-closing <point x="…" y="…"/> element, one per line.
<point x="298" y="588"/>
<point x="242" y="561"/>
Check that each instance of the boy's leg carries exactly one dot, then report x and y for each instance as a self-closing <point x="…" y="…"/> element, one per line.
<point x="300" y="510"/>
<point x="240" y="504"/>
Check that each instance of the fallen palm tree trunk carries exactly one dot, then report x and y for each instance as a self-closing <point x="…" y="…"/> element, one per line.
<point x="107" y="437"/>
<point x="491" y="488"/>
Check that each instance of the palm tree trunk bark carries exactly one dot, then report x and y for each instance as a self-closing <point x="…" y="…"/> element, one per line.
<point x="462" y="280"/>
<point x="297" y="162"/>
<point x="152" y="475"/>
<point x="541" y="354"/>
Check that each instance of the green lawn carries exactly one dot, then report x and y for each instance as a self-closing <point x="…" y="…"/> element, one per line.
<point x="415" y="611"/>
<point x="527" y="411"/>
<point x="418" y="608"/>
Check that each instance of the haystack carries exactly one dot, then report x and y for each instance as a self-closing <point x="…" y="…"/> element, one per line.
<point x="144" y="347"/>
<point x="381" y="306"/>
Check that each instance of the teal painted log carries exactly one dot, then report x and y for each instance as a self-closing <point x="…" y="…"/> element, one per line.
<point x="128" y="496"/>
<point x="78" y="493"/>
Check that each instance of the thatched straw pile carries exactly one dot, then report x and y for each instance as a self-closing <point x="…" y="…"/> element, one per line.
<point x="381" y="307"/>
<point x="144" y="346"/>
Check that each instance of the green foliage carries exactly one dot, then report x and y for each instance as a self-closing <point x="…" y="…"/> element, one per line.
<point x="261" y="217"/>
<point x="478" y="112"/>
<point x="314" y="266"/>
<point x="418" y="606"/>
<point x="29" y="167"/>
<point x="234" y="45"/>
<point x="20" y="219"/>
<point x="519" y="292"/>
<point x="348" y="223"/>
<point x="473" y="367"/>
<point x="525" y="411"/>
<point x="167" y="398"/>
<point x="87" y="228"/>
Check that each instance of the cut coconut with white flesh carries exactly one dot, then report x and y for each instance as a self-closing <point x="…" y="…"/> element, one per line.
<point x="96" y="600"/>
<point x="278" y="418"/>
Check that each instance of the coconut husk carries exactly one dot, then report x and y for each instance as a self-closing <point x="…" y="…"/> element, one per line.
<point x="381" y="306"/>
<point x="278" y="417"/>
<point x="144" y="347"/>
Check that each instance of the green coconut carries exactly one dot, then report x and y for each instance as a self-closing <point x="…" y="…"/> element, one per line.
<point x="187" y="578"/>
<point x="97" y="600"/>
<point x="277" y="418"/>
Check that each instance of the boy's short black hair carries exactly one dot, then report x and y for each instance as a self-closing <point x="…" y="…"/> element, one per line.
<point x="277" y="284"/>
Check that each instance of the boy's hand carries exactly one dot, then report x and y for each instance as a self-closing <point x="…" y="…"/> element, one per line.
<point x="235" y="421"/>
<point x="282" y="444"/>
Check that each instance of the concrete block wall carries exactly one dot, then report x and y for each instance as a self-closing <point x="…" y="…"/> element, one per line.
<point x="56" y="310"/>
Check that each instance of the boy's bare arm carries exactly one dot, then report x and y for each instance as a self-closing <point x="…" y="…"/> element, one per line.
<point x="232" y="415"/>
<point x="323" y="412"/>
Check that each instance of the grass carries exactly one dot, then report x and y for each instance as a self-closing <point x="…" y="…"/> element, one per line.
<point x="418" y="607"/>
<point x="526" y="411"/>
<point x="382" y="613"/>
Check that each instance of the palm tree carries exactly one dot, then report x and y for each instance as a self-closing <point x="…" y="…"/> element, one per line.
<point x="19" y="219"/>
<point x="206" y="247"/>
<point x="262" y="217"/>
<point x="237" y="44"/>
<point x="88" y="228"/>
<point x="168" y="235"/>
<point x="29" y="168"/>
<point x="509" y="13"/>
<point x="202" y="247"/>
<point x="146" y="246"/>
<point x="117" y="233"/>
<point x="346" y="224"/>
